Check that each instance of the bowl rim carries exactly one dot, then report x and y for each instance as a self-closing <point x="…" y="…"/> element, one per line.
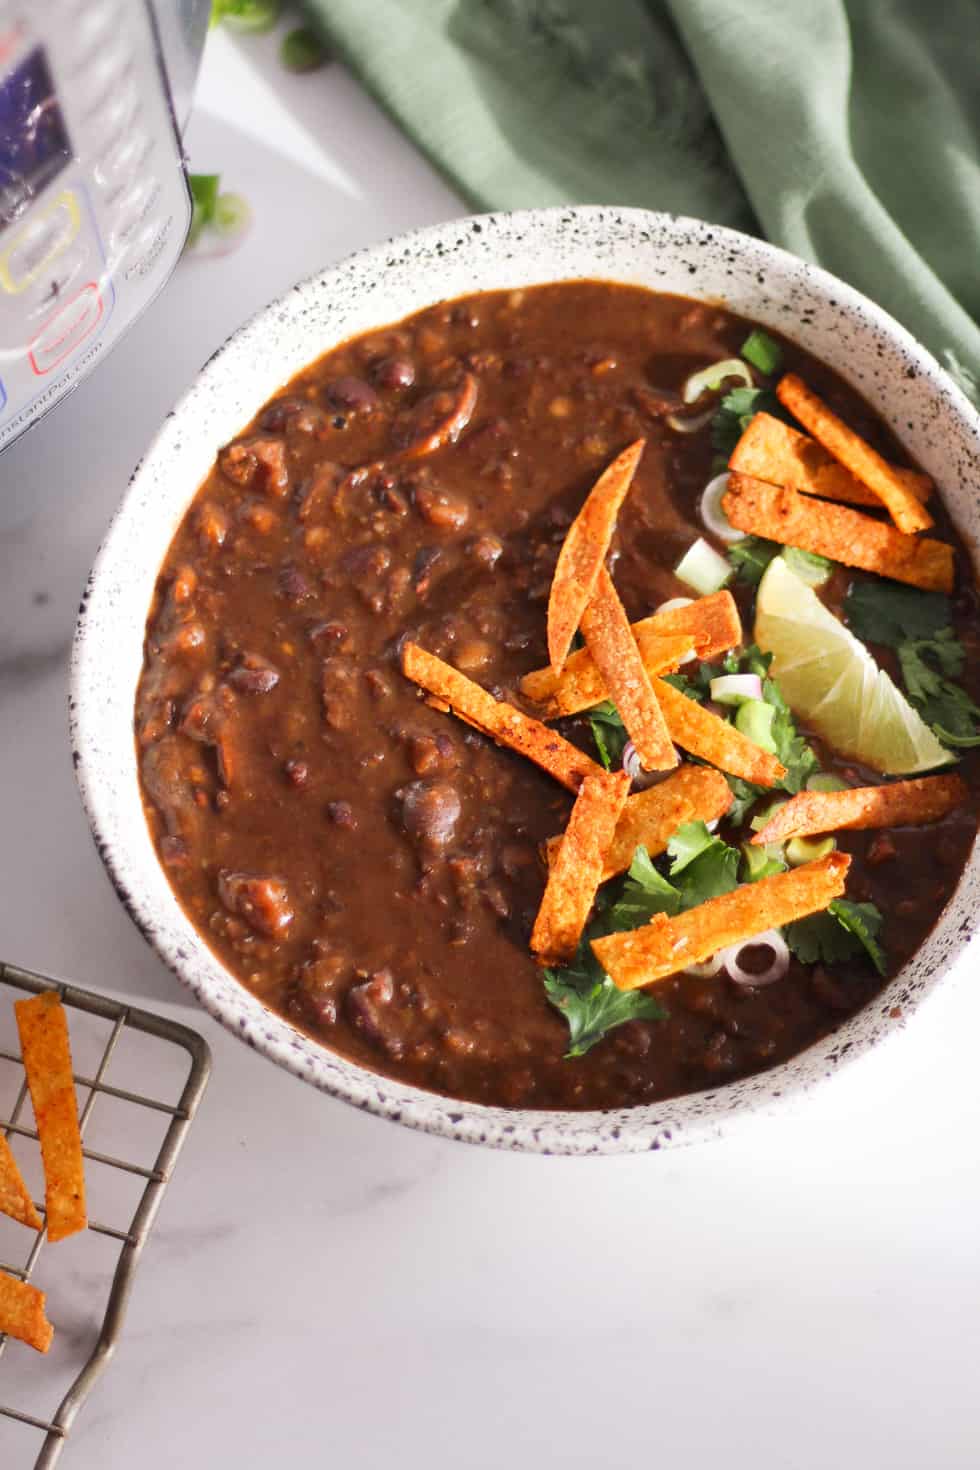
<point x="684" y="1119"/>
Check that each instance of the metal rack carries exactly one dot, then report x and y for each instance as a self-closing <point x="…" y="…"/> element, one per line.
<point x="156" y="1174"/>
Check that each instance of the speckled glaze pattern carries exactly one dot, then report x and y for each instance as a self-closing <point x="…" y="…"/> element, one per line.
<point x="926" y="410"/>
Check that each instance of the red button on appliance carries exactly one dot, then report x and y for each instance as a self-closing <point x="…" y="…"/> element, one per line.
<point x="63" y="332"/>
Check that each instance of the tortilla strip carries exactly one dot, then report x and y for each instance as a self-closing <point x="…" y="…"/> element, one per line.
<point x="46" y="1051"/>
<point x="844" y="535"/>
<point x="15" y="1199"/>
<point x="22" y="1313"/>
<point x="908" y="513"/>
<point x="610" y="641"/>
<point x="584" y="551"/>
<point x="772" y="451"/>
<point x="578" y="866"/>
<point x="650" y="818"/>
<point x="900" y="804"/>
<point x="712" y="623"/>
<point x="494" y="717"/>
<point x="642" y="956"/>
<point x="712" y="739"/>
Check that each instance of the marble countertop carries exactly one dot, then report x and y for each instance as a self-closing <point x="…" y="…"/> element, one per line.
<point x="325" y="1287"/>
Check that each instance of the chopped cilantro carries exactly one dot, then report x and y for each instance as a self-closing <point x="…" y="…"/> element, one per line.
<point x="703" y="865"/>
<point x="645" y="892"/>
<point x="744" y="795"/>
<point x="609" y="733"/>
<point x="683" y="685"/>
<point x="841" y="932"/>
<point x="918" y="626"/>
<point x="735" y="411"/>
<point x="762" y="352"/>
<point x="886" y="612"/>
<point x="752" y="555"/>
<point x="590" y="1002"/>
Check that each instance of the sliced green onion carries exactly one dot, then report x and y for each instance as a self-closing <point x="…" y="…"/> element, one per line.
<point x="711" y="378"/>
<point x="733" y="688"/>
<point x="302" y="50"/>
<point x="247" y="17"/>
<point x="702" y="568"/>
<point x="762" y="862"/>
<point x="765" y="816"/>
<point x="824" y="781"/>
<point x="691" y="424"/>
<point x="762" y="352"/>
<point x="809" y="566"/>
<point x="754" y="718"/>
<point x="800" y="850"/>
<point x="232" y="217"/>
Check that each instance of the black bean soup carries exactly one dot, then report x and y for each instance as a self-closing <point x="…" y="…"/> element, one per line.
<point x="369" y="866"/>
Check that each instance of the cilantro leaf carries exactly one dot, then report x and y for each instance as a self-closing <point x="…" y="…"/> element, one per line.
<point x="590" y="1002"/>
<point x="609" y="733"/>
<point x="735" y="411"/>
<point x="792" y="750"/>
<point x="703" y="864"/>
<point x="886" y="612"/>
<point x="841" y="932"/>
<point x="745" y="796"/>
<point x="684" y="685"/>
<point x="645" y="892"/>
<point x="751" y="556"/>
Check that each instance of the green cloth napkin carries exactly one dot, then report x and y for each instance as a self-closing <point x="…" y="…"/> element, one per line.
<point x="846" y="130"/>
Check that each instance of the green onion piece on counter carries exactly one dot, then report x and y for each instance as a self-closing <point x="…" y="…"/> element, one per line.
<point x="302" y="50"/>
<point x="762" y="352"/>
<point x="702" y="568"/>
<point x="204" y="197"/>
<point x="754" y="719"/>
<point x="232" y="217"/>
<point x="824" y="781"/>
<point x="247" y="17"/>
<point x="800" y="850"/>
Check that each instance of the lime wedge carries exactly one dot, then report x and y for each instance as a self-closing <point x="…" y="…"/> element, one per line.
<point x="830" y="680"/>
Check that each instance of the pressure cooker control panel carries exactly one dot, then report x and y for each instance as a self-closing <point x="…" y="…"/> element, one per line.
<point x="94" y="205"/>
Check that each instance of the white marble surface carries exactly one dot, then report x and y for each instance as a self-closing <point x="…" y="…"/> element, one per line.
<point x="326" y="1288"/>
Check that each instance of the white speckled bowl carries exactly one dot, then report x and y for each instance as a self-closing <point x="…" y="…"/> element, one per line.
<point x="928" y="413"/>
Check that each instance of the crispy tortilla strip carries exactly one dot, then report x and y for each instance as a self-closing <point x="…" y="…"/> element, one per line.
<point x="908" y="513"/>
<point x="642" y="956"/>
<point x="45" y="1047"/>
<point x="773" y="451"/>
<point x="15" y="1200"/>
<point x="580" y="684"/>
<point x="584" y="551"/>
<point x="703" y="734"/>
<point x="494" y="717"/>
<point x="901" y="804"/>
<point x="711" y="623"/>
<point x="650" y="818"/>
<point x="22" y="1313"/>
<point x="610" y="641"/>
<point x="844" y="535"/>
<point x="578" y="866"/>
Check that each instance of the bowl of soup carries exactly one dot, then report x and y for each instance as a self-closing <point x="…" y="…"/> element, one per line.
<point x="343" y="786"/>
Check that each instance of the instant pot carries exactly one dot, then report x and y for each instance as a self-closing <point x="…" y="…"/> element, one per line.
<point x="94" y="202"/>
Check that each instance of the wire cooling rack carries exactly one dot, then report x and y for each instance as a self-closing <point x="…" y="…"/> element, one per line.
<point x="126" y="1190"/>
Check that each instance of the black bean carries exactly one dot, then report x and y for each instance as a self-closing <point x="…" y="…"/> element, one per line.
<point x="341" y="813"/>
<point x="254" y="675"/>
<point x="352" y="394"/>
<point x="429" y="813"/>
<point x="394" y="372"/>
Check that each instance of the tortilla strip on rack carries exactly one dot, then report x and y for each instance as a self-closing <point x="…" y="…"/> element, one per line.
<point x="578" y="867"/>
<point x="494" y="717"/>
<point x="699" y="732"/>
<point x="583" y="552"/>
<point x="908" y="512"/>
<point x="709" y="626"/>
<point x="610" y="641"/>
<point x="643" y="956"/>
<point x="22" y="1313"/>
<point x="15" y="1199"/>
<point x="899" y="804"/>
<point x="836" y="531"/>
<point x="46" y="1051"/>
<point x="650" y="818"/>
<point x="773" y="451"/>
